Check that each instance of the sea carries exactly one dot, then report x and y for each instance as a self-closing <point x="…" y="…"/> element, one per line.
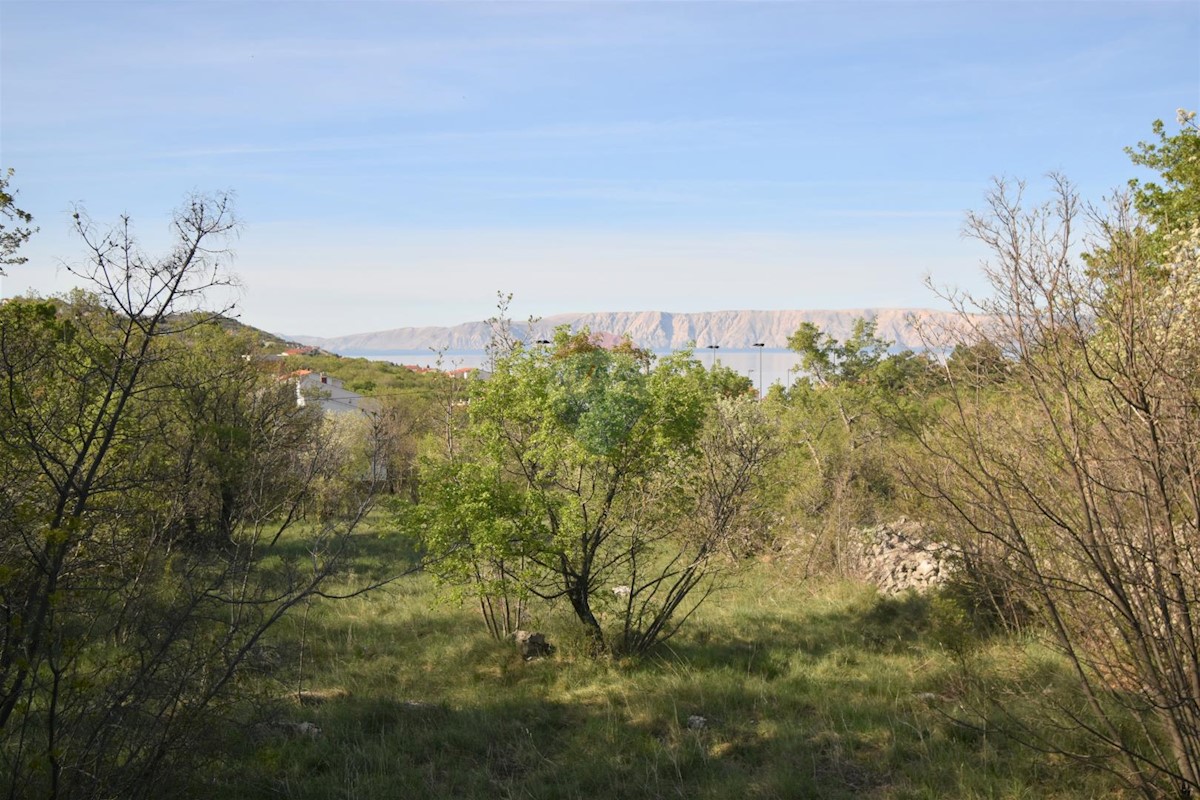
<point x="764" y="367"/>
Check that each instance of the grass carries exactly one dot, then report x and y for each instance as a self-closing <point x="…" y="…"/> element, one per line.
<point x="807" y="690"/>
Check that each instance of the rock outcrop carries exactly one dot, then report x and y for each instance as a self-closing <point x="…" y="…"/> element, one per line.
<point x="897" y="557"/>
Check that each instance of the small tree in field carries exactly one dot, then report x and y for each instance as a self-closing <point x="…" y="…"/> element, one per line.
<point x="583" y="470"/>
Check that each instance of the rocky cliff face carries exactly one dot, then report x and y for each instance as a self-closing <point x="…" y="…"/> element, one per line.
<point x="657" y="330"/>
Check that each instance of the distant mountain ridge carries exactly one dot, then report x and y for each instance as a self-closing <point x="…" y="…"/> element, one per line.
<point x="656" y="330"/>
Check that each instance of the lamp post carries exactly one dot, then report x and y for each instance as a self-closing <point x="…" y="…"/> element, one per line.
<point x="760" y="346"/>
<point x="713" y="363"/>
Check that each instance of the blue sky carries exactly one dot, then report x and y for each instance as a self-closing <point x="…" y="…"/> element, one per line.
<point x="399" y="163"/>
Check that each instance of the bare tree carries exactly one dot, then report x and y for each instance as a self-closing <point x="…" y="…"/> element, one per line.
<point x="148" y="478"/>
<point x="1073" y="472"/>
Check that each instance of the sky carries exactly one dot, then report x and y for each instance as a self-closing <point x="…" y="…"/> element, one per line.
<point x="399" y="163"/>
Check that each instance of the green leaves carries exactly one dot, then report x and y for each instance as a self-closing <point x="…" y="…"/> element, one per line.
<point x="852" y="406"/>
<point x="466" y="514"/>
<point x="11" y="238"/>
<point x="1173" y="204"/>
<point x="861" y="359"/>
<point x="583" y="468"/>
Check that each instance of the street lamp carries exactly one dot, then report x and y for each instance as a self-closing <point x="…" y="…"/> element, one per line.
<point x="760" y="346"/>
<point x="713" y="363"/>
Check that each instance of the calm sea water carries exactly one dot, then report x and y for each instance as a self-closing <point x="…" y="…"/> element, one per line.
<point x="776" y="365"/>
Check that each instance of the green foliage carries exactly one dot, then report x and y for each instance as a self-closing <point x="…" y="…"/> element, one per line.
<point x="14" y="230"/>
<point x="853" y="403"/>
<point x="574" y="475"/>
<point x="1173" y="204"/>
<point x="864" y="359"/>
<point x="148" y="472"/>
<point x="826" y="361"/>
<point x="476" y="534"/>
<point x="140" y="472"/>
<point x="728" y="382"/>
<point x="227" y="429"/>
<point x="981" y="362"/>
<point x="1168" y="211"/>
<point x="368" y="377"/>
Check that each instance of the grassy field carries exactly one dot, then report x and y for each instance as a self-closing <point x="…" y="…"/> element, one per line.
<point x="807" y="689"/>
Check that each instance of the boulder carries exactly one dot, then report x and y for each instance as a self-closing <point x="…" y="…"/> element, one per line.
<point x="532" y="645"/>
<point x="316" y="697"/>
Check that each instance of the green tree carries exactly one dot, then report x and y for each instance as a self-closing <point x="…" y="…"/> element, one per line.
<point x="1146" y="225"/>
<point x="851" y="403"/>
<point x="229" y="437"/>
<point x="582" y="470"/>
<point x="979" y="363"/>
<point x="14" y="229"/>
<point x="729" y="382"/>
<point x="1174" y="203"/>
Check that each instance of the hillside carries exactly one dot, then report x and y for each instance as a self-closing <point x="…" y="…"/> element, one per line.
<point x="269" y="342"/>
<point x="657" y="330"/>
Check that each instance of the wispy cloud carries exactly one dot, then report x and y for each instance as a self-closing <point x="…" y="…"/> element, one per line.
<point x="578" y="153"/>
<point x="588" y="133"/>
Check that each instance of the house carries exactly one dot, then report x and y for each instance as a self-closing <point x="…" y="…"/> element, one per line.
<point x="333" y="398"/>
<point x="469" y="372"/>
<point x="328" y="393"/>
